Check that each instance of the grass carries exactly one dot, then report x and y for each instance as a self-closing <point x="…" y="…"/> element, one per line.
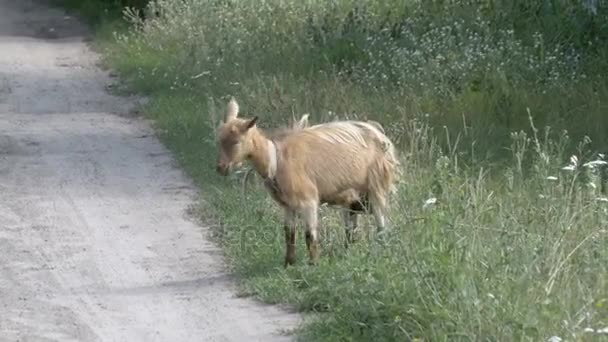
<point x="515" y="247"/>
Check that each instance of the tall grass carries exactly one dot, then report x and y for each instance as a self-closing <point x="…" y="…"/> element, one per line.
<point x="449" y="60"/>
<point x="498" y="233"/>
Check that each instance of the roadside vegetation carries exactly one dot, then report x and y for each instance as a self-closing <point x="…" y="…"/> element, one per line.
<point x="499" y="109"/>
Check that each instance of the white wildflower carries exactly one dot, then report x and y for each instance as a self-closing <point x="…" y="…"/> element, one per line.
<point x="597" y="331"/>
<point x="554" y="339"/>
<point x="204" y="73"/>
<point x="429" y="202"/>
<point x="544" y="157"/>
<point x="552" y="178"/>
<point x="491" y="296"/>
<point x="591" y="6"/>
<point x="574" y="160"/>
<point x="573" y="164"/>
<point x="595" y="163"/>
<point x="592" y="185"/>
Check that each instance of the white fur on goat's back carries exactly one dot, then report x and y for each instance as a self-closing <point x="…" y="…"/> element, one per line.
<point x="341" y="132"/>
<point x="348" y="132"/>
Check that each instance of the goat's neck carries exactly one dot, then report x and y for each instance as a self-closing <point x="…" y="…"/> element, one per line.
<point x="263" y="155"/>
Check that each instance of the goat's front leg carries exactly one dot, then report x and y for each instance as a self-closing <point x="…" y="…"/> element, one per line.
<point x="310" y="217"/>
<point x="290" y="237"/>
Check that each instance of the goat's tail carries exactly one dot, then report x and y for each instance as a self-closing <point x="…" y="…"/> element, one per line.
<point x="383" y="173"/>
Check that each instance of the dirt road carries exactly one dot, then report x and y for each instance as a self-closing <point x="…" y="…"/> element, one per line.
<point x="95" y="243"/>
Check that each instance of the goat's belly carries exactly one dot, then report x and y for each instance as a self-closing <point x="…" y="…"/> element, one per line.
<point x="352" y="199"/>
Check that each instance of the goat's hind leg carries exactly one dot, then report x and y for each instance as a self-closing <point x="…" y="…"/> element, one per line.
<point x="350" y="219"/>
<point x="378" y="209"/>
<point x="290" y="237"/>
<point x="310" y="216"/>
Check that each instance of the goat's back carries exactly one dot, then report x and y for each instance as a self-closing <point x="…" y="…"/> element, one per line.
<point x="331" y="157"/>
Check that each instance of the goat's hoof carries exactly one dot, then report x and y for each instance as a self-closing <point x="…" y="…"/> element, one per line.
<point x="289" y="262"/>
<point x="313" y="262"/>
<point x="382" y="238"/>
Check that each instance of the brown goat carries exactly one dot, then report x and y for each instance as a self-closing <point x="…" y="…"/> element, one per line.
<point x="346" y="163"/>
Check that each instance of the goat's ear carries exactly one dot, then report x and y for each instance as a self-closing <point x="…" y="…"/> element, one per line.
<point x="251" y="123"/>
<point x="233" y="110"/>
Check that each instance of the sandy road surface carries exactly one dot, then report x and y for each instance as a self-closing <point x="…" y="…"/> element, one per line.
<point x="95" y="244"/>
